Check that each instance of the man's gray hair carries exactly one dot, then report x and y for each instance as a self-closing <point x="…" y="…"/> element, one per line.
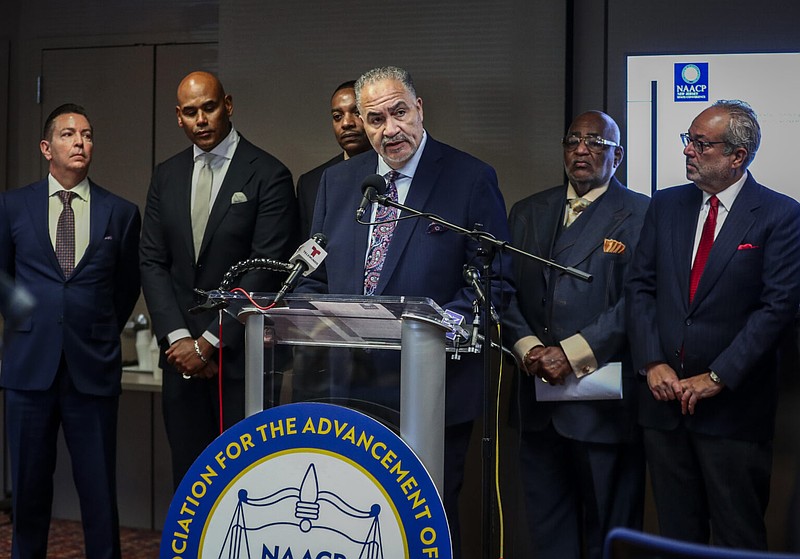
<point x="384" y="73"/>
<point x="743" y="128"/>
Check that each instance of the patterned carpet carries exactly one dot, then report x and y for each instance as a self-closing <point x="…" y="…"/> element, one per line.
<point x="66" y="541"/>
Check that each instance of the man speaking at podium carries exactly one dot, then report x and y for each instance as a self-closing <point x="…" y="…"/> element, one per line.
<point x="413" y="257"/>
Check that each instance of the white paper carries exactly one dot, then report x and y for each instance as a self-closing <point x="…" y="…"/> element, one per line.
<point x="603" y="384"/>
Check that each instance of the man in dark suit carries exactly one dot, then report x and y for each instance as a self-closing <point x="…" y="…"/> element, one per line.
<point x="219" y="202"/>
<point x="582" y="461"/>
<point x="714" y="283"/>
<point x="421" y="259"/>
<point x="349" y="132"/>
<point x="74" y="246"/>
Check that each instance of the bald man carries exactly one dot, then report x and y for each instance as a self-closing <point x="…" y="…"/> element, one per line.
<point x="582" y="461"/>
<point x="218" y="202"/>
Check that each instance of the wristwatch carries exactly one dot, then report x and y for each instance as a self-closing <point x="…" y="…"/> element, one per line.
<point x="714" y="377"/>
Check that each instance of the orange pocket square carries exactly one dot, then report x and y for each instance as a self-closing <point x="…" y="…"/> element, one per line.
<point x="613" y="246"/>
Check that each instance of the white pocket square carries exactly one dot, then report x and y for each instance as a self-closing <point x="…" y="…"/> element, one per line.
<point x="238" y="198"/>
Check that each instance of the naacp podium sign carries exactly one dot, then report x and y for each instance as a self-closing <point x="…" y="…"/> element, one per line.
<point x="307" y="481"/>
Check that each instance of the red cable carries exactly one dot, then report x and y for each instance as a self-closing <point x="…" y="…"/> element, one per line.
<point x="219" y="355"/>
<point x="219" y="374"/>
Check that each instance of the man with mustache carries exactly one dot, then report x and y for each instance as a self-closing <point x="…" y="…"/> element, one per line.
<point x="348" y="128"/>
<point x="714" y="283"/>
<point x="221" y="201"/>
<point x="412" y="257"/>
<point x="582" y="461"/>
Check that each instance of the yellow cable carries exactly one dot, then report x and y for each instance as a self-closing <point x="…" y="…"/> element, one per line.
<point x="497" y="447"/>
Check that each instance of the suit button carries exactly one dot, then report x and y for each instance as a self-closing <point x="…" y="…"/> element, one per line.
<point x="544" y="300"/>
<point x="546" y="330"/>
<point x="677" y="353"/>
<point x="688" y="322"/>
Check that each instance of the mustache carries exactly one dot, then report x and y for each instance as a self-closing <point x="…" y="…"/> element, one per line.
<point x="399" y="137"/>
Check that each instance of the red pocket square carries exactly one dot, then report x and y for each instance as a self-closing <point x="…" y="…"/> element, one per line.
<point x="746" y="246"/>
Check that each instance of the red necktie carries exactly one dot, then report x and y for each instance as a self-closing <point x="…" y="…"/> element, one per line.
<point x="65" y="234"/>
<point x="706" y="241"/>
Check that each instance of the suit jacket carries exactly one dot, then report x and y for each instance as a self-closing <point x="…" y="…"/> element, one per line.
<point x="81" y="316"/>
<point x="307" y="186"/>
<point x="262" y="226"/>
<point x="747" y="296"/>
<point x="423" y="260"/>
<point x="555" y="306"/>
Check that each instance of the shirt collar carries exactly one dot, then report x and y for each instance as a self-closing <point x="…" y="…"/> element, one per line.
<point x="81" y="189"/>
<point x="728" y="196"/>
<point x="410" y="167"/>
<point x="590" y="196"/>
<point x="224" y="149"/>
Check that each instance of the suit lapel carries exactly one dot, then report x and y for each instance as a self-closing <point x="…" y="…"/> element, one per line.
<point x="422" y="185"/>
<point x="99" y="216"/>
<point x="545" y="222"/>
<point x="359" y="233"/>
<point x="177" y="194"/>
<point x="682" y="226"/>
<point x="738" y="222"/>
<point x="39" y="210"/>
<point x="605" y="218"/>
<point x="239" y="173"/>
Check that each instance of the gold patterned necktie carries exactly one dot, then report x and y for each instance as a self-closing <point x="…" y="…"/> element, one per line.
<point x="202" y="202"/>
<point x="576" y="206"/>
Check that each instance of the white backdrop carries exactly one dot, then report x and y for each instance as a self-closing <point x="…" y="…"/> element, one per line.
<point x="769" y="82"/>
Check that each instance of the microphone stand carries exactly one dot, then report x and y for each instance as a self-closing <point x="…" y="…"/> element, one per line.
<point x="488" y="247"/>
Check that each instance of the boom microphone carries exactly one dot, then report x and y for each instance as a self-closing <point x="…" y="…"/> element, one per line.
<point x="372" y="185"/>
<point x="306" y="259"/>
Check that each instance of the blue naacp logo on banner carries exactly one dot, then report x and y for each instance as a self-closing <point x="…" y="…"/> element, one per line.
<point x="691" y="81"/>
<point x="307" y="481"/>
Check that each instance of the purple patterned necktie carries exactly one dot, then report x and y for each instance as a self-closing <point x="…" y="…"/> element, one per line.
<point x="65" y="234"/>
<point x="381" y="236"/>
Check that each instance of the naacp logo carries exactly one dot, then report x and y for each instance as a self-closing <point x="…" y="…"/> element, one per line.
<point x="691" y="81"/>
<point x="307" y="481"/>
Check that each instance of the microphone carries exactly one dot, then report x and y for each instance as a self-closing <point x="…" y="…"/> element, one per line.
<point x="16" y="302"/>
<point x="306" y="259"/>
<point x="372" y="185"/>
<point x="473" y="277"/>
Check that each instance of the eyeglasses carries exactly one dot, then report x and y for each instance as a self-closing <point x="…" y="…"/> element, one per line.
<point x="698" y="145"/>
<point x="595" y="144"/>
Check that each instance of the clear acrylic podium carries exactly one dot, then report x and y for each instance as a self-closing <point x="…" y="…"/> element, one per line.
<point x="416" y="327"/>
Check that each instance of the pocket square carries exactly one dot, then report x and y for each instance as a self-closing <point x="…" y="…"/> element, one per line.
<point x="108" y="238"/>
<point x="435" y="228"/>
<point x="746" y="246"/>
<point x="238" y="198"/>
<point x="613" y="246"/>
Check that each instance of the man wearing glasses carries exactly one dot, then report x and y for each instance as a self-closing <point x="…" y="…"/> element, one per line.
<point x="714" y="284"/>
<point x="582" y="461"/>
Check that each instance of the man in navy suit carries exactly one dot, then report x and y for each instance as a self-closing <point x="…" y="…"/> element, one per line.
<point x="348" y="128"/>
<point x="421" y="259"/>
<point x="74" y="246"/>
<point x="582" y="462"/>
<point x="714" y="283"/>
<point x="190" y="241"/>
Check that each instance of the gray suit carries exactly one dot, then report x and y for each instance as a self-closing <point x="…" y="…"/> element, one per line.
<point x="591" y="445"/>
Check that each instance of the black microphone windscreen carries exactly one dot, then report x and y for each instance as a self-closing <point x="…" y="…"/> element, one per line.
<point x="320" y="239"/>
<point x="375" y="181"/>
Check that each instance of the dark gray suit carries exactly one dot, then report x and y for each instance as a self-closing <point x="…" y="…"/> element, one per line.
<point x="307" y="187"/>
<point x="571" y="450"/>
<point x="264" y="225"/>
